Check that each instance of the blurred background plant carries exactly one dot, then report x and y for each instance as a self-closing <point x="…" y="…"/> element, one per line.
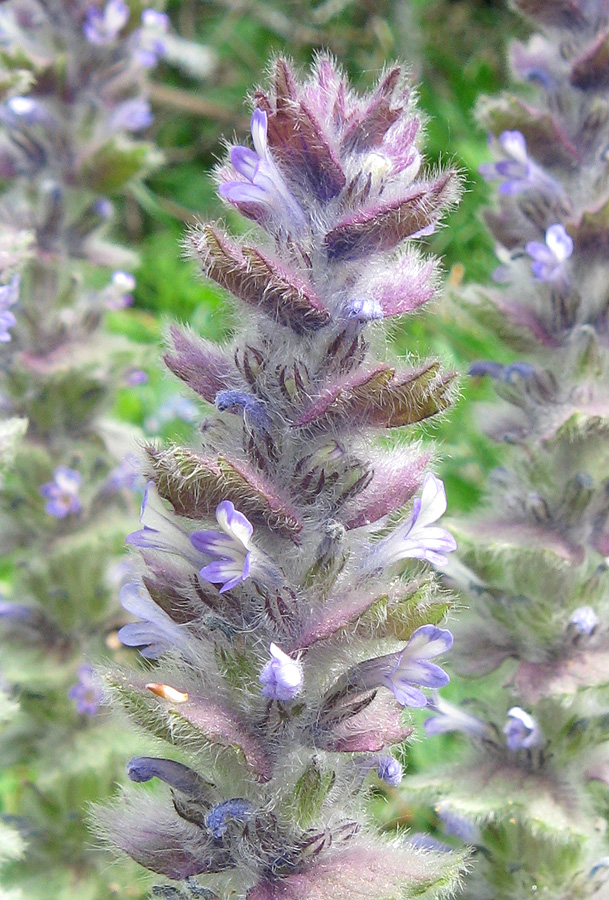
<point x="212" y="54"/>
<point x="72" y="111"/>
<point x="527" y="781"/>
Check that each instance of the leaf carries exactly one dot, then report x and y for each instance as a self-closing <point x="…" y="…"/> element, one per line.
<point x="111" y="166"/>
<point x="381" y="228"/>
<point x="374" y="870"/>
<point x="310" y="792"/>
<point x="195" y="485"/>
<point x="257" y="280"/>
<point x="381" y="397"/>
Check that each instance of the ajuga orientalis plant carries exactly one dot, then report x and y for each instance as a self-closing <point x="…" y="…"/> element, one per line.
<point x="72" y="77"/>
<point x="285" y="600"/>
<point x="531" y="792"/>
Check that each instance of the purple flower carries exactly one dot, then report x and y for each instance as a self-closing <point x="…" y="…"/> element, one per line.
<point x="252" y="409"/>
<point x="584" y="620"/>
<point x="517" y="173"/>
<point x="413" y="668"/>
<point x="135" y="377"/>
<point x="132" y="115"/>
<point x="522" y="731"/>
<point x="141" y="769"/>
<point x="26" y="109"/>
<point x="451" y="718"/>
<point x="160" y="532"/>
<point x="389" y="770"/>
<point x="281" y="678"/>
<point x="418" y="538"/>
<point x="104" y="27"/>
<point x="149" y="45"/>
<point x="231" y="546"/>
<point x="218" y="817"/>
<point x="62" y="493"/>
<point x="549" y="258"/>
<point x="87" y="692"/>
<point x="126" y="475"/>
<point x="156" y="633"/>
<point x="458" y="825"/>
<point x="104" y="208"/>
<point x="264" y="191"/>
<point x="118" y="293"/>
<point x="9" y="294"/>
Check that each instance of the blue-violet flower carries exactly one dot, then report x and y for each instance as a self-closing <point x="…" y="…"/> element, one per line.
<point x="231" y="545"/>
<point x="62" y="493"/>
<point x="281" y="677"/>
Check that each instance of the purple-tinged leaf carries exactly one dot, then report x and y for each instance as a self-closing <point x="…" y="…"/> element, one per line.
<point x="397" y="477"/>
<point x="376" y="726"/>
<point x="221" y="725"/>
<point x="381" y="228"/>
<point x="363" y="871"/>
<point x="403" y="287"/>
<point x="150" y="832"/>
<point x="369" y="126"/>
<point x="300" y="148"/>
<point x="577" y="668"/>
<point x="381" y="397"/>
<point x="195" y="485"/>
<point x="258" y="280"/>
<point x="199" y="363"/>
<point x="546" y="139"/>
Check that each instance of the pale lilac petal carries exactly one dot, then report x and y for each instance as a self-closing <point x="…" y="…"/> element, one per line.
<point x="407" y="694"/>
<point x="245" y="161"/>
<point x="233" y="522"/>
<point x="429" y="641"/>
<point x="514" y="144"/>
<point x="420" y="671"/>
<point x="433" y="500"/>
<point x="259" y="126"/>
<point x="559" y="242"/>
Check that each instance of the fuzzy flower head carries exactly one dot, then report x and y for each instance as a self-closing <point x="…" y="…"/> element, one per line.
<point x="103" y="27"/>
<point x="549" y="259"/>
<point x="281" y="678"/>
<point x="87" y="692"/>
<point x="230" y="545"/>
<point x="418" y="538"/>
<point x="263" y="193"/>
<point x="61" y="493"/>
<point x="413" y="670"/>
<point x="521" y="730"/>
<point x="9" y="294"/>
